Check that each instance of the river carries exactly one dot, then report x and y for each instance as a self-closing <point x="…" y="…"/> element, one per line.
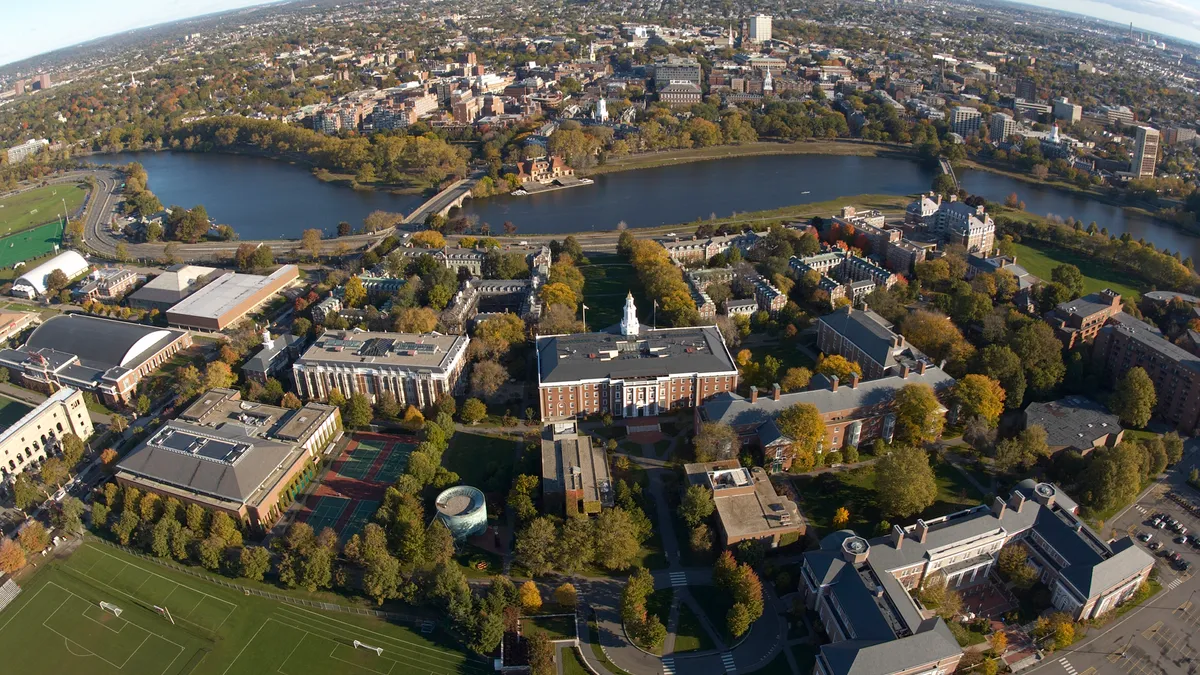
<point x="263" y="198"/>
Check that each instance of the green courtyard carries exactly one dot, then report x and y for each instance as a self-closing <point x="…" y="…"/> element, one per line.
<point x="168" y="623"/>
<point x="11" y="410"/>
<point x="608" y="279"/>
<point x="1097" y="275"/>
<point x="823" y="494"/>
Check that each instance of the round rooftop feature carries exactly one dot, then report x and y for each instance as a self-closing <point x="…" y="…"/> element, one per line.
<point x="1045" y="490"/>
<point x="463" y="509"/>
<point x="856" y="545"/>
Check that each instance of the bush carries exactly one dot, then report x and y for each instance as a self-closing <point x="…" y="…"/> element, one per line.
<point x="832" y="458"/>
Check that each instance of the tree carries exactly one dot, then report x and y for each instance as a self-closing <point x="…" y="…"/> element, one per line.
<point x="33" y="537"/>
<point x="416" y="320"/>
<point x="541" y="654"/>
<point x="358" y="411"/>
<point x="439" y="544"/>
<point x="1003" y="365"/>
<point x="1070" y="277"/>
<point x="616" y="544"/>
<point x="918" y="414"/>
<point x="838" y="366"/>
<point x="143" y="404"/>
<point x="381" y="579"/>
<point x="473" y="410"/>
<point x="54" y="472"/>
<point x="209" y="552"/>
<point x="343" y="229"/>
<point x="795" y="379"/>
<point x="68" y="517"/>
<point x="290" y="401"/>
<point x="979" y="396"/>
<point x="1013" y="563"/>
<point x="904" y="482"/>
<point x="803" y="424"/>
<point x="486" y="378"/>
<point x="1173" y="445"/>
<point x="254" y="562"/>
<point x="535" y="546"/>
<point x="936" y="335"/>
<point x="738" y="619"/>
<point x="999" y="642"/>
<point x="218" y="375"/>
<point x="413" y="419"/>
<point x="1134" y="398"/>
<point x="353" y="293"/>
<point x="25" y="493"/>
<point x="565" y="595"/>
<point x="559" y="294"/>
<point x="72" y="449"/>
<point x="1041" y="355"/>
<point x="310" y="241"/>
<point x="99" y="515"/>
<point x="841" y="517"/>
<point x="531" y="597"/>
<point x="386" y="405"/>
<point x="122" y="252"/>
<point x="520" y="497"/>
<point x="56" y="281"/>
<point x="576" y="546"/>
<point x="12" y="558"/>
<point x="428" y="239"/>
<point x="715" y="441"/>
<point x="187" y="382"/>
<point x="696" y="505"/>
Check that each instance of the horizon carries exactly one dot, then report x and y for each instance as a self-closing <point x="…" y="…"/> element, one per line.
<point x="31" y="34"/>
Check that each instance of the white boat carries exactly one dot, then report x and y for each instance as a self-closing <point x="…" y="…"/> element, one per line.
<point x="805" y="192"/>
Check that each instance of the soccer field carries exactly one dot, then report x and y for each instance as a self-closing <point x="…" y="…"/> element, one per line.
<point x="57" y="626"/>
<point x="38" y="206"/>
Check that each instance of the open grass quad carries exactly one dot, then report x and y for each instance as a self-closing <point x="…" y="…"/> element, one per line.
<point x="57" y="626"/>
<point x="28" y="209"/>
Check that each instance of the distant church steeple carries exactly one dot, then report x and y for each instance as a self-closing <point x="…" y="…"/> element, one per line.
<point x="629" y="322"/>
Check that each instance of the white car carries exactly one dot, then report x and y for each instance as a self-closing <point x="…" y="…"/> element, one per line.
<point x="1145" y="537"/>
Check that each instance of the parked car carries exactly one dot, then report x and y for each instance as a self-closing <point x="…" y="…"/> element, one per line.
<point x="1155" y="545"/>
<point x="1181" y="540"/>
<point x="1144" y="537"/>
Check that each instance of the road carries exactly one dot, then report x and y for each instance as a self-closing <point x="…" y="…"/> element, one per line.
<point x="452" y="195"/>
<point x="1161" y="636"/>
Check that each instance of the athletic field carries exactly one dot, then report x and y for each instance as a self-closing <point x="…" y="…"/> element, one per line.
<point x="352" y="491"/>
<point x="57" y="626"/>
<point x="30" y="245"/>
<point x="28" y="209"/>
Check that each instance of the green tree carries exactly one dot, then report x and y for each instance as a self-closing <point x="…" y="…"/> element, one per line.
<point x="696" y="505"/>
<point x="1134" y="398"/>
<point x="473" y="411"/>
<point x="210" y="551"/>
<point x="1003" y="365"/>
<point x="715" y="441"/>
<point x="254" y="562"/>
<point x="1069" y="276"/>
<point x="381" y="579"/>
<point x="904" y="482"/>
<point x="918" y="414"/>
<point x="1041" y="355"/>
<point x="68" y="517"/>
<point x="616" y="546"/>
<point x="576" y="546"/>
<point x="535" y="546"/>
<point x="72" y="449"/>
<point x="358" y="411"/>
<point x="520" y="497"/>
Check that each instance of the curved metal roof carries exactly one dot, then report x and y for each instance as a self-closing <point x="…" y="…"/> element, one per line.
<point x="99" y="343"/>
<point x="70" y="262"/>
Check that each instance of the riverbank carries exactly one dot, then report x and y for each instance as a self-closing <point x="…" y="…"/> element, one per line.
<point x="650" y="160"/>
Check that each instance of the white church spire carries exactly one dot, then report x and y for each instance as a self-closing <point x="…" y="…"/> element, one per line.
<point x="629" y="322"/>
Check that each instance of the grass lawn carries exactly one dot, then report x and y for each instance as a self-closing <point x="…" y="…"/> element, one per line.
<point x="12" y="410"/>
<point x="557" y="627"/>
<point x="608" y="278"/>
<point x="572" y="664"/>
<point x="1097" y="276"/>
<point x="485" y="462"/>
<point x="822" y="495"/>
<point x="38" y="206"/>
<point x="715" y="605"/>
<point x="630" y="448"/>
<point x="690" y="636"/>
<point x="1136" y="435"/>
<point x="672" y="157"/>
<point x="788" y="355"/>
<point x="470" y="557"/>
<point x="57" y="626"/>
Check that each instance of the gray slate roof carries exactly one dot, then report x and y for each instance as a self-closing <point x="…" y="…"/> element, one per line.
<point x="570" y="358"/>
<point x="1153" y="339"/>
<point x="867" y="330"/>
<point x="737" y="410"/>
<point x="1074" y="421"/>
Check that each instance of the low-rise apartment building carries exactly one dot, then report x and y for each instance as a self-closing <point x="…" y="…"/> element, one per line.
<point x="1125" y="342"/>
<point x="1080" y="320"/>
<point x="866" y="338"/>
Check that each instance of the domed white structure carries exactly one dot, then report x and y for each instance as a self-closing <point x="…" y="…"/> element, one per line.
<point x="33" y="283"/>
<point x="629" y="321"/>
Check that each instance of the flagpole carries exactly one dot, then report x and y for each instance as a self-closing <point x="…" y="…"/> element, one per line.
<point x="584" y="316"/>
<point x="654" y="321"/>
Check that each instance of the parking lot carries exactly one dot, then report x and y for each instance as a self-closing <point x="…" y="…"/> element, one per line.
<point x="1174" y="501"/>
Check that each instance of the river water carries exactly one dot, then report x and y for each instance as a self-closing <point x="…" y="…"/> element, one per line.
<point x="263" y="198"/>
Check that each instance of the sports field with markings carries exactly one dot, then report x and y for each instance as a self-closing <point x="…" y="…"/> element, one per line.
<point x="353" y="489"/>
<point x="171" y="623"/>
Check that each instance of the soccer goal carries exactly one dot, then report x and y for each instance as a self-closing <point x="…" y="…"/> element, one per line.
<point x="363" y="645"/>
<point x="109" y="607"/>
<point x="165" y="613"/>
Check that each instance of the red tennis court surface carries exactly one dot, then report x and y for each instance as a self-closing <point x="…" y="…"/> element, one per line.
<point x="354" y="486"/>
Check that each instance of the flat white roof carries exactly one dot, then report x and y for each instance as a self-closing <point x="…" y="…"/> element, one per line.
<point x="226" y="292"/>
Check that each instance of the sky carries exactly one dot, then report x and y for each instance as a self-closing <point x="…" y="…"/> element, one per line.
<point x="32" y="27"/>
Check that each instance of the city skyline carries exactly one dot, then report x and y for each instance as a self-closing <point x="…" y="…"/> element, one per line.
<point x="32" y="29"/>
<point x="39" y="29"/>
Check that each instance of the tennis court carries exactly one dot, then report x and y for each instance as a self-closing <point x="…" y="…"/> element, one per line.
<point x="30" y="244"/>
<point x="327" y="513"/>
<point x="394" y="463"/>
<point x="359" y="518"/>
<point x="357" y="464"/>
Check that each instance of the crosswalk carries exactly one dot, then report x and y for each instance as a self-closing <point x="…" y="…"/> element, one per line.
<point x="668" y="665"/>
<point x="1067" y="666"/>
<point x="678" y="578"/>
<point x="1140" y="509"/>
<point x="731" y="667"/>
<point x="1178" y="580"/>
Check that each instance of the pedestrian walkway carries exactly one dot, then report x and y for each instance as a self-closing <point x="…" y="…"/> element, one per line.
<point x="1067" y="666"/>
<point x="731" y="667"/>
<point x="678" y="579"/>
<point x="1178" y="580"/>
<point x="668" y="665"/>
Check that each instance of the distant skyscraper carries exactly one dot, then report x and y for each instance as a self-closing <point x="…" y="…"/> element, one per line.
<point x="965" y="121"/>
<point x="1026" y="89"/>
<point x="1145" y="152"/>
<point x="760" y="28"/>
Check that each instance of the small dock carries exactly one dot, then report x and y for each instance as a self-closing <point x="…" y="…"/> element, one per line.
<point x="533" y="187"/>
